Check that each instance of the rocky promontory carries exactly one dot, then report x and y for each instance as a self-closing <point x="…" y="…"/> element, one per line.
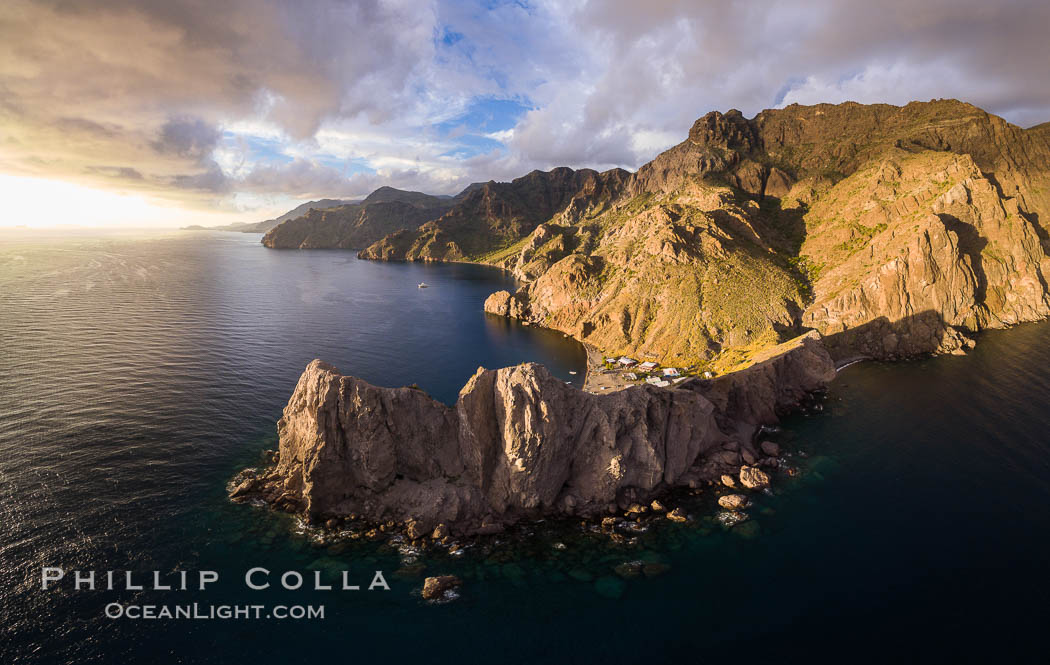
<point x="519" y="442"/>
<point x="884" y="231"/>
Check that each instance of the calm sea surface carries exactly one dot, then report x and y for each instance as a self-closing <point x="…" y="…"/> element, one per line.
<point x="138" y="373"/>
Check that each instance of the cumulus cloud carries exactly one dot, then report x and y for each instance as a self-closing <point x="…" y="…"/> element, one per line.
<point x="215" y="104"/>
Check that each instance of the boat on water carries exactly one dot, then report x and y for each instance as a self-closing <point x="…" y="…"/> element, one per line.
<point x="423" y="285"/>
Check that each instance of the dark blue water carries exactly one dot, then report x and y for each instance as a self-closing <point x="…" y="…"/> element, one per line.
<point x="137" y="374"/>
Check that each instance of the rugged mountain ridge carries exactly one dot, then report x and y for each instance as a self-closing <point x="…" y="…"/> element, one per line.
<point x="519" y="442"/>
<point x="892" y="230"/>
<point x="494" y="215"/>
<point x="357" y="224"/>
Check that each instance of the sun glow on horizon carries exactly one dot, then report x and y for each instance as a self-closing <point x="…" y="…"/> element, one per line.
<point x="42" y="203"/>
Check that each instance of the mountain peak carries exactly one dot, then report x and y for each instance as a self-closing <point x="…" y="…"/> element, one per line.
<point x="386" y="194"/>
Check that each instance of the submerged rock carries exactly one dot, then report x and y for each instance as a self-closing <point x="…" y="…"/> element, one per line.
<point x="629" y="569"/>
<point x="609" y="586"/>
<point x="748" y="530"/>
<point x="655" y="568"/>
<point x="411" y="570"/>
<point x="730" y="518"/>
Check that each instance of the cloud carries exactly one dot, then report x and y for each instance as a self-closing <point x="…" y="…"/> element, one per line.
<point x="150" y="84"/>
<point x="652" y="68"/>
<point x="187" y="137"/>
<point x="115" y="172"/>
<point x="212" y="179"/>
<point x="214" y="105"/>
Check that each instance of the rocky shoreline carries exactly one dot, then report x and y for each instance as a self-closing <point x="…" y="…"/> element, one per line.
<point x="888" y="232"/>
<point x="521" y="444"/>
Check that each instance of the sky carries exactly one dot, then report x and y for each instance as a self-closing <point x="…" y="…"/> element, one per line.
<point x="172" y="112"/>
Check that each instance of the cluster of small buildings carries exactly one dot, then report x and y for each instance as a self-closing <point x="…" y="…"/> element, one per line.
<point x="666" y="376"/>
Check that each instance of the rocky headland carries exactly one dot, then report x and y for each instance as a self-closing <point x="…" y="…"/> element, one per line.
<point x="754" y="255"/>
<point x="520" y="443"/>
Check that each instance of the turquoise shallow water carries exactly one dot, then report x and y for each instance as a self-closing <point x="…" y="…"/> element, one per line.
<point x="137" y="373"/>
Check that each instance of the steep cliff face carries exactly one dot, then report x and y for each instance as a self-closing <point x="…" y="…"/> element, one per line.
<point x="916" y="248"/>
<point x="357" y="225"/>
<point x="518" y="442"/>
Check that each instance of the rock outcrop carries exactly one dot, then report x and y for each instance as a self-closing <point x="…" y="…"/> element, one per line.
<point x="733" y="501"/>
<point x="753" y="478"/>
<point x="518" y="442"/>
<point x="434" y="588"/>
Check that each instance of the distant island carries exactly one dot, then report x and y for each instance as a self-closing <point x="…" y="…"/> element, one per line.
<point x="358" y="224"/>
<point x="266" y="225"/>
<point x="751" y="259"/>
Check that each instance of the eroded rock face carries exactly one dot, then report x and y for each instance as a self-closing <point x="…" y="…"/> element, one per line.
<point x="518" y="442"/>
<point x="929" y="252"/>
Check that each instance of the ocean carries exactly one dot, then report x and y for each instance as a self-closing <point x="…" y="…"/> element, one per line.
<point x="140" y="371"/>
